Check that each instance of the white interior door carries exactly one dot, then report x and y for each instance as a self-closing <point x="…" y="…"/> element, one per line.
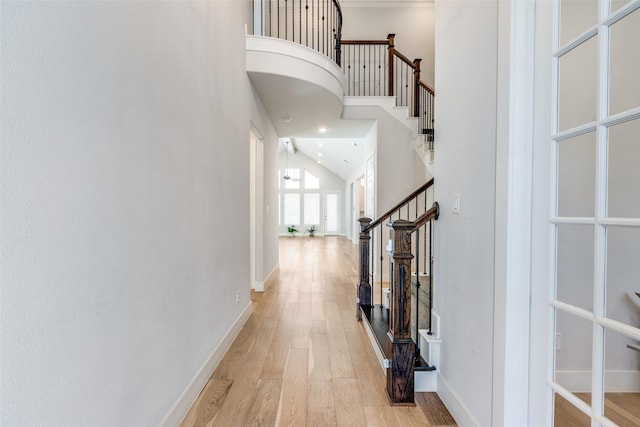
<point x="331" y="213"/>
<point x="595" y="214"/>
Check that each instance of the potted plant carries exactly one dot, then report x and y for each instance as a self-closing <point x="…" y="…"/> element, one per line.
<point x="292" y="230"/>
<point x="311" y="230"/>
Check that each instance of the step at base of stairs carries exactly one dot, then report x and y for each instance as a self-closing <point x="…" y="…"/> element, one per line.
<point x="425" y="381"/>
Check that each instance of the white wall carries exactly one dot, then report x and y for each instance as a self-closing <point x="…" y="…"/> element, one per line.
<point x="465" y="146"/>
<point x="124" y="204"/>
<point x="260" y="120"/>
<point x="399" y="169"/>
<point x="413" y="27"/>
<point x="357" y="204"/>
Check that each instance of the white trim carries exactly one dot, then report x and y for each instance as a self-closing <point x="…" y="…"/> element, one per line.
<point x="271" y="277"/>
<point x="285" y="58"/>
<point x="614" y="381"/>
<point x="192" y="391"/>
<point x="374" y="343"/>
<point x="346" y="4"/>
<point x="258" y="286"/>
<point x="425" y="381"/>
<point x="453" y="403"/>
<point x="514" y="177"/>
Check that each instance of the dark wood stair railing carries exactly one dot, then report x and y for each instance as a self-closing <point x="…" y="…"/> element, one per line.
<point x="410" y="248"/>
<point x="371" y="71"/>
<point x="400" y="346"/>
<point x="418" y="199"/>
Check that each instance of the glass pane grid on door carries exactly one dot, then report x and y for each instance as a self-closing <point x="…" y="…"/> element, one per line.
<point x="595" y="214"/>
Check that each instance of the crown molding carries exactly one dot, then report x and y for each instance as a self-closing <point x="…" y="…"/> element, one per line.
<point x="387" y="3"/>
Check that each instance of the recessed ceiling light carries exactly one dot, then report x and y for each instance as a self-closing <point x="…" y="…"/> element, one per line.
<point x="319" y="161"/>
<point x="319" y="144"/>
<point x="287" y="119"/>
<point x="319" y="154"/>
<point x="322" y="130"/>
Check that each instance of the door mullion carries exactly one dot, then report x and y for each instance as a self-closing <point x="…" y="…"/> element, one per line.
<point x="600" y="232"/>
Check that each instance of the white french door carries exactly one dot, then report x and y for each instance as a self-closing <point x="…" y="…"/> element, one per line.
<point x="594" y="226"/>
<point x="331" y="213"/>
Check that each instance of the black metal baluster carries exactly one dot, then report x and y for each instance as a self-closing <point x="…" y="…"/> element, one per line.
<point x="425" y="238"/>
<point x="417" y="292"/>
<point x="430" y="273"/>
<point x="380" y="227"/>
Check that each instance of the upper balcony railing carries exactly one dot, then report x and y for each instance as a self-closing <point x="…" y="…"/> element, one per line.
<point x="376" y="68"/>
<point x="371" y="67"/>
<point x="313" y="23"/>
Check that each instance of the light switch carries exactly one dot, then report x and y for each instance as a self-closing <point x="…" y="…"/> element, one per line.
<point x="455" y="206"/>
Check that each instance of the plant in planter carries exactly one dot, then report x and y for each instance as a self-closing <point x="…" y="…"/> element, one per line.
<point x="311" y="230"/>
<point x="292" y="230"/>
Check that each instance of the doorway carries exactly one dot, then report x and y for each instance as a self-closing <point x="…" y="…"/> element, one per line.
<point x="256" y="202"/>
<point x="594" y="233"/>
<point x="331" y="213"/>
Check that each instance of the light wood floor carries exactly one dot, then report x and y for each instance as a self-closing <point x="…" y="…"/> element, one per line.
<point x="302" y="358"/>
<point x="621" y="408"/>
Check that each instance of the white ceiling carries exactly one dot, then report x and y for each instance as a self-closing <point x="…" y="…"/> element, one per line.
<point x="299" y="109"/>
<point x="342" y="156"/>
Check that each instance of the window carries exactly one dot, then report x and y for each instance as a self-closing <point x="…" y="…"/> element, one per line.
<point x="292" y="179"/>
<point x="311" y="209"/>
<point x="311" y="182"/>
<point x="291" y="208"/>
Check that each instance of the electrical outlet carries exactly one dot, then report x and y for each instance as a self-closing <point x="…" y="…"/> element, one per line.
<point x="237" y="297"/>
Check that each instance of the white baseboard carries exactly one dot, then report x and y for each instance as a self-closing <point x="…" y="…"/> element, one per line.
<point x="262" y="286"/>
<point x="374" y="344"/>
<point x="271" y="277"/>
<point x="614" y="381"/>
<point x="455" y="406"/>
<point x="191" y="393"/>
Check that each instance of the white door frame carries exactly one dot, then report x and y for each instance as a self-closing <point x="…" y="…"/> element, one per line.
<point x="256" y="203"/>
<point x="514" y="177"/>
<point x="546" y="219"/>
<point x="325" y="204"/>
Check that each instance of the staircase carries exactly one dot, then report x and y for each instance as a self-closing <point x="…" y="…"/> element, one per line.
<point x="395" y="304"/>
<point x="378" y="74"/>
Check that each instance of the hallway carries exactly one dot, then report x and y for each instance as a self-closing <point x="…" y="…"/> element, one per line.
<point x="302" y="358"/>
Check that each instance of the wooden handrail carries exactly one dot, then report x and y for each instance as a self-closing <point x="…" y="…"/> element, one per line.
<point x="432" y="213"/>
<point x="391" y="211"/>
<point x="427" y="87"/>
<point x="405" y="59"/>
<point x="366" y="42"/>
<point x="383" y="80"/>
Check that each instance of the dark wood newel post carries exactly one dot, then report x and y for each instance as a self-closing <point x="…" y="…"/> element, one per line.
<point x="400" y="346"/>
<point x="416" y="87"/>
<point x="364" y="287"/>
<point x="390" y="39"/>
